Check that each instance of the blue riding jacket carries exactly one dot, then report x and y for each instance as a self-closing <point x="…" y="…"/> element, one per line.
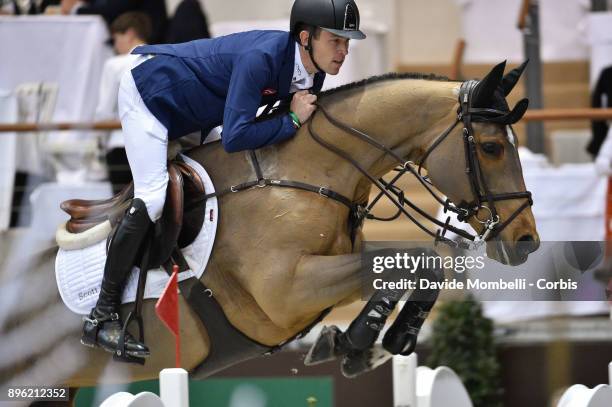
<point x="201" y="84"/>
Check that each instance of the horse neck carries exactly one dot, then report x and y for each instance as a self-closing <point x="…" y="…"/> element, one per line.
<point x="403" y="114"/>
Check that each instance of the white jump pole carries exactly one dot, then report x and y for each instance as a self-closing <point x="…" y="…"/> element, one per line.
<point x="610" y="373"/>
<point x="174" y="387"/>
<point x="404" y="380"/>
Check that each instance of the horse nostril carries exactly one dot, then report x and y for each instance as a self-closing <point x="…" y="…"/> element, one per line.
<point x="527" y="244"/>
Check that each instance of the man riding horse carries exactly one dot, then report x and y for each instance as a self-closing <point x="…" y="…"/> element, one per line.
<point x="175" y="90"/>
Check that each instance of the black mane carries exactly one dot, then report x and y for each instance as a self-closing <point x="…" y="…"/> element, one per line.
<point x="384" y="77"/>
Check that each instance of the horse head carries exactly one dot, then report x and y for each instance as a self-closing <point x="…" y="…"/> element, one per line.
<point x="459" y="132"/>
<point x="478" y="168"/>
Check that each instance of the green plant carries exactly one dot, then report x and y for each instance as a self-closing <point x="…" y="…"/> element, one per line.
<point x="462" y="339"/>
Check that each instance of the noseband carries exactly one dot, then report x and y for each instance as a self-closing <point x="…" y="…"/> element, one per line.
<point x="482" y="196"/>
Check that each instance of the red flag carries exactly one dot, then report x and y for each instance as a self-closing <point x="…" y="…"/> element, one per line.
<point x="167" y="310"/>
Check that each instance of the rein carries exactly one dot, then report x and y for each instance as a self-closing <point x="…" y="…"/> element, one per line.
<point x="387" y="189"/>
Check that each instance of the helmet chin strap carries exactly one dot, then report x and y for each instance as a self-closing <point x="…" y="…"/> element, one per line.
<point x="309" y="48"/>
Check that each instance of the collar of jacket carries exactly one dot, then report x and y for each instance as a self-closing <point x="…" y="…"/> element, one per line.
<point x="286" y="72"/>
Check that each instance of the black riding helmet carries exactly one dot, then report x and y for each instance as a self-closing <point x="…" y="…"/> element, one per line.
<point x="339" y="17"/>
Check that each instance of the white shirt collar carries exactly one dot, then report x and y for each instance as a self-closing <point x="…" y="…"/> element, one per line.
<point x="301" y="78"/>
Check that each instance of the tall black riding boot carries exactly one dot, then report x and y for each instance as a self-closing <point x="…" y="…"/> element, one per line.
<point x="103" y="326"/>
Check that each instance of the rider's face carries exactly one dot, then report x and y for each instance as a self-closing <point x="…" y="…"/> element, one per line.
<point x="330" y="51"/>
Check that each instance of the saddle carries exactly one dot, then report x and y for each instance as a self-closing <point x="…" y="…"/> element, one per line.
<point x="179" y="225"/>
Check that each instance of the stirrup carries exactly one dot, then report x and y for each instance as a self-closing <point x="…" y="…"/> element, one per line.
<point x="121" y="355"/>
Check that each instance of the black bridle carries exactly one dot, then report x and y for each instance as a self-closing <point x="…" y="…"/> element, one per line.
<point x="464" y="210"/>
<point x="478" y="183"/>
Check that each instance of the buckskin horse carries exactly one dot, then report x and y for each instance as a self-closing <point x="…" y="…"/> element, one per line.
<point x="286" y="252"/>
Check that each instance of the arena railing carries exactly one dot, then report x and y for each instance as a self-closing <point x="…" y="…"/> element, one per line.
<point x="530" y="115"/>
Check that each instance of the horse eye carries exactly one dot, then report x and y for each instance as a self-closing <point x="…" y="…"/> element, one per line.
<point x="492" y="148"/>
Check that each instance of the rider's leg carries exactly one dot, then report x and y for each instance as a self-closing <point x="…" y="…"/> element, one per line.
<point x="146" y="143"/>
<point x="104" y="326"/>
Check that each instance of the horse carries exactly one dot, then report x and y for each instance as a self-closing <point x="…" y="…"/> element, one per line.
<point x="284" y="255"/>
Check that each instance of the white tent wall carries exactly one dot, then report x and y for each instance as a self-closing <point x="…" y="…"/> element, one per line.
<point x="426" y="31"/>
<point x="378" y="13"/>
<point x="229" y="10"/>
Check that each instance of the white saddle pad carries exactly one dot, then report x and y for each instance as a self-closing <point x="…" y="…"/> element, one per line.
<point x="79" y="272"/>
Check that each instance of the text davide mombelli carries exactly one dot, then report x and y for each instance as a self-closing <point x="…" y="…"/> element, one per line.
<point x="407" y="263"/>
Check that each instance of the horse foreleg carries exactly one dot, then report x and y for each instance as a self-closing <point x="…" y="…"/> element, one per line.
<point x="316" y="283"/>
<point x="360" y="336"/>
<point x="333" y="275"/>
<point x="401" y="337"/>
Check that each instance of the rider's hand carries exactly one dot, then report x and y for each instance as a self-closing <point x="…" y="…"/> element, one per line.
<point x="303" y="105"/>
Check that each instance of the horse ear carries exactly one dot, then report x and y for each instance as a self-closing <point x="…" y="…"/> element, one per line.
<point x="512" y="77"/>
<point x="483" y="93"/>
<point x="519" y="110"/>
<point x="514" y="115"/>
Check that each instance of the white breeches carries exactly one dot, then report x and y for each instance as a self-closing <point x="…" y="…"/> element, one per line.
<point x="146" y="145"/>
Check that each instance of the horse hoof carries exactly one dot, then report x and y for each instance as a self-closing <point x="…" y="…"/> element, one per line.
<point x="355" y="364"/>
<point x="324" y="348"/>
<point x="359" y="362"/>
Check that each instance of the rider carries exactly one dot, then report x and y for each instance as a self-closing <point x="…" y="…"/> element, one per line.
<point x="174" y="90"/>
